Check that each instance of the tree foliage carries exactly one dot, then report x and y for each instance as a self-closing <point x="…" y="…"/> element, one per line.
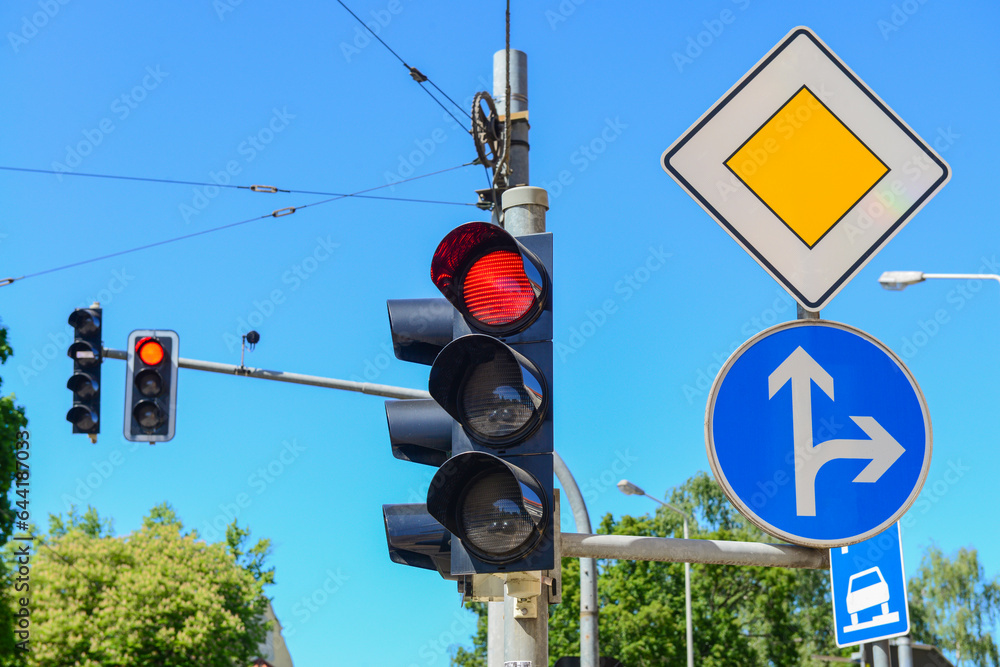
<point x="158" y="596"/>
<point x="742" y="616"/>
<point x="955" y="607"/>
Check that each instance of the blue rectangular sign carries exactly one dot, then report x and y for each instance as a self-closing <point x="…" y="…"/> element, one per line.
<point x="868" y="587"/>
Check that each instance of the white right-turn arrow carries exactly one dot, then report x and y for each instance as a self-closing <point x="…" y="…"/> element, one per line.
<point x="801" y="370"/>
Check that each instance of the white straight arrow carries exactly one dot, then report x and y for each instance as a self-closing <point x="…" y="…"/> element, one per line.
<point x="882" y="449"/>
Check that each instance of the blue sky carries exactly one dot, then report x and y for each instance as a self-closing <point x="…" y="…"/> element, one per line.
<point x="651" y="294"/>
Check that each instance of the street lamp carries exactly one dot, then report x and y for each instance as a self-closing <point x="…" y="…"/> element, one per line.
<point x="630" y="489"/>
<point x="900" y="280"/>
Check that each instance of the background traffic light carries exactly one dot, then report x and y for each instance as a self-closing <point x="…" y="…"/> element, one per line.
<point x="85" y="383"/>
<point x="489" y="424"/>
<point x="151" y="386"/>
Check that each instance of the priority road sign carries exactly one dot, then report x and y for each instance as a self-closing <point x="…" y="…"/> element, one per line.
<point x="818" y="433"/>
<point x="806" y="168"/>
<point x="868" y="587"/>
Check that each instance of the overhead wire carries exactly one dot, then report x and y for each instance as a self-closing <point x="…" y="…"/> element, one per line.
<point x="253" y="188"/>
<point x="274" y="214"/>
<point x="415" y="74"/>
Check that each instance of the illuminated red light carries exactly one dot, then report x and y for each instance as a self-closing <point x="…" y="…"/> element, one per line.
<point x="150" y="351"/>
<point x="496" y="289"/>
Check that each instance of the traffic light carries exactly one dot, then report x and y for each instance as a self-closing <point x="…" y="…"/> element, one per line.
<point x="85" y="383"/>
<point x="151" y="386"/>
<point x="488" y="427"/>
<point x="416" y="539"/>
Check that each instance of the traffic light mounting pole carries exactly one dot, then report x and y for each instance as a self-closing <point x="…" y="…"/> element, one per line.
<point x="282" y="376"/>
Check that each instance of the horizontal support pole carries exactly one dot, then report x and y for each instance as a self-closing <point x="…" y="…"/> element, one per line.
<point x="296" y="378"/>
<point x="675" y="550"/>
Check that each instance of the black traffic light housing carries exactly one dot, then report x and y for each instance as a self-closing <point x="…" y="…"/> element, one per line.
<point x="488" y="427"/>
<point x="85" y="383"/>
<point x="151" y="385"/>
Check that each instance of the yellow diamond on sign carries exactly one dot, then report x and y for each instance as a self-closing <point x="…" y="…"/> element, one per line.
<point x="806" y="166"/>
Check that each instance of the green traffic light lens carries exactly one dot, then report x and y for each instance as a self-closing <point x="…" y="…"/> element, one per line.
<point x="148" y="414"/>
<point x="82" y="418"/>
<point x="495" y="522"/>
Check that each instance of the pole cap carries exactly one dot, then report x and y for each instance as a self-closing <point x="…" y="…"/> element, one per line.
<point x="523" y="195"/>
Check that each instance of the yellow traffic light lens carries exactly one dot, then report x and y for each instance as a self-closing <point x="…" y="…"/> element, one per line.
<point x="495" y="401"/>
<point x="150" y="351"/>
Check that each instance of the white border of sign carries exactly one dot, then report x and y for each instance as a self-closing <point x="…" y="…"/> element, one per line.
<point x="743" y="508"/>
<point x="812" y="275"/>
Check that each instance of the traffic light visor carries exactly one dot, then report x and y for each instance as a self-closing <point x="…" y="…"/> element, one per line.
<point x="494" y="392"/>
<point x="497" y="509"/>
<point x="85" y="320"/>
<point x="82" y="417"/>
<point x="489" y="277"/>
<point x="83" y="386"/>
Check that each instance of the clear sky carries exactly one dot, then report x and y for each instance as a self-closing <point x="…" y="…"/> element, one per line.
<point x="651" y="295"/>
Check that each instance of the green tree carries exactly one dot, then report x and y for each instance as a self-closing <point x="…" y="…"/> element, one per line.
<point x="955" y="607"/>
<point x="158" y="596"/>
<point x="12" y="422"/>
<point x="742" y="616"/>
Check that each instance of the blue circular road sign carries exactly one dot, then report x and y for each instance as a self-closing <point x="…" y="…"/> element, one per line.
<point x="818" y="433"/>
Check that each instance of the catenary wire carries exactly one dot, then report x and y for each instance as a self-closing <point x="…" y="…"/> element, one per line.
<point x="274" y="214"/>
<point x="254" y="188"/>
<point x="415" y="74"/>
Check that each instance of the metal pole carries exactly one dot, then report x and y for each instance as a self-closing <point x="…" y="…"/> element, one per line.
<point x="631" y="489"/>
<point x="713" y="552"/>
<point x="519" y="147"/>
<point x="589" y="627"/>
<point x="494" y="633"/>
<point x="804" y="314"/>
<point x="880" y="654"/>
<point x="687" y="604"/>
<point x="282" y="376"/>
<point x="904" y="651"/>
<point x="526" y="639"/>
